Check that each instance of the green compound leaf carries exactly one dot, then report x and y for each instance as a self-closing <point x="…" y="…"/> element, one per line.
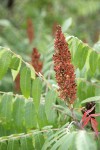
<point x="49" y="102"/>
<point x="5" y="59"/>
<point x="92" y="99"/>
<point x="6" y="108"/>
<point x="93" y="59"/>
<point x="3" y="145"/>
<point x="26" y="143"/>
<point x="25" y="81"/>
<point x="19" y="112"/>
<point x="13" y="144"/>
<point x="15" y="62"/>
<point x="36" y="92"/>
<point x="84" y="141"/>
<point x="30" y="115"/>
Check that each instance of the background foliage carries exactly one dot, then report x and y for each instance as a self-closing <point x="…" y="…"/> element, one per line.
<point x="35" y="117"/>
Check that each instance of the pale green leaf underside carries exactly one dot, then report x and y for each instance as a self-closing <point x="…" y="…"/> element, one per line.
<point x="92" y="99"/>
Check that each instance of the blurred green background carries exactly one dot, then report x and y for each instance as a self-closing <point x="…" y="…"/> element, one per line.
<point x="80" y="18"/>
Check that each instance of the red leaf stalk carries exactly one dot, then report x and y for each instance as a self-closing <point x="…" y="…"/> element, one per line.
<point x="89" y="116"/>
<point x="35" y="60"/>
<point x="65" y="75"/>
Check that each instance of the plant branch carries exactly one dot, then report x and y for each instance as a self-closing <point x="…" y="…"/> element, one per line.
<point x="71" y="114"/>
<point x="26" y="63"/>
